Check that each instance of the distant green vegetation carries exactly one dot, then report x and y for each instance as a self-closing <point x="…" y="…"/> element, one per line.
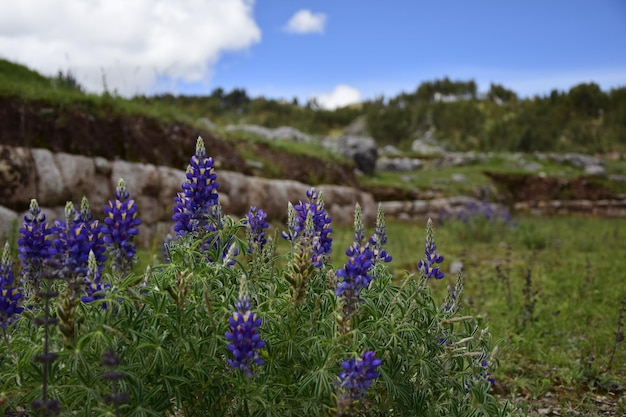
<point x="583" y="119"/>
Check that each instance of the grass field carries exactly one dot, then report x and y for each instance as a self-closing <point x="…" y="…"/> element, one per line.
<point x="552" y="309"/>
<point x="550" y="290"/>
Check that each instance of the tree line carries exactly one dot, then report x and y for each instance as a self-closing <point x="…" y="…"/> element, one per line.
<point x="584" y="119"/>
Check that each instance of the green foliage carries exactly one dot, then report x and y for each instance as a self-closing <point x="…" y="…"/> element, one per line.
<point x="583" y="119"/>
<point x="167" y="326"/>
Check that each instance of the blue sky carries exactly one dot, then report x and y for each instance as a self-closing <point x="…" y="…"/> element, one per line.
<point x="383" y="47"/>
<point x="338" y="51"/>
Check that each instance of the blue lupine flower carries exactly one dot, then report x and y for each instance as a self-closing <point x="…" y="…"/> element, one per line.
<point x="359" y="228"/>
<point x="357" y="375"/>
<point x="120" y="229"/>
<point x="194" y="209"/>
<point x="95" y="237"/>
<point x="94" y="287"/>
<point x="356" y="273"/>
<point x="70" y="247"/>
<point x="321" y="240"/>
<point x="256" y="225"/>
<point x="9" y="294"/>
<point x="429" y="266"/>
<point x="33" y="245"/>
<point x="378" y="240"/>
<point x="244" y="338"/>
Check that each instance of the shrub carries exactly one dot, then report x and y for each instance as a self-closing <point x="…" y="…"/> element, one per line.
<point x="227" y="327"/>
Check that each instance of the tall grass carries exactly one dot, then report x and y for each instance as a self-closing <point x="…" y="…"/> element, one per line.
<point x="572" y="269"/>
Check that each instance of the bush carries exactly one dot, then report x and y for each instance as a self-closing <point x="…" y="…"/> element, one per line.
<point x="226" y="326"/>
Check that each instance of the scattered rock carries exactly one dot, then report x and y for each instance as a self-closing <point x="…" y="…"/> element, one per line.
<point x="531" y="166"/>
<point x="595" y="170"/>
<point x="389" y="150"/>
<point x="283" y="132"/>
<point x="398" y="164"/>
<point x="421" y="147"/>
<point x="453" y="159"/>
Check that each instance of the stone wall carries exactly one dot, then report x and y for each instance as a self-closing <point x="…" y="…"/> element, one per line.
<point x="55" y="178"/>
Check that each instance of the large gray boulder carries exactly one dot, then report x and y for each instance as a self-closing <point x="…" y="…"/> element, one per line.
<point x="49" y="181"/>
<point x="289" y="133"/>
<point x="78" y="176"/>
<point x="398" y="164"/>
<point x="18" y="180"/>
<point x="9" y="224"/>
<point x="362" y="150"/>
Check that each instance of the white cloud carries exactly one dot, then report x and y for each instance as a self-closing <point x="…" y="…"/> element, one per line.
<point x="342" y="95"/>
<point x="304" y="21"/>
<point x="134" y="45"/>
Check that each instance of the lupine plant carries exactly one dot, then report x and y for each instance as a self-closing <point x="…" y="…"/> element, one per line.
<point x="10" y="294"/>
<point x="120" y="229"/>
<point x="219" y="331"/>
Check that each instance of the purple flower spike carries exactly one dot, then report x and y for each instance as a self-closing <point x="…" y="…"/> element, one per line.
<point x="120" y="229"/>
<point x="358" y="374"/>
<point x="321" y="230"/>
<point x="94" y="288"/>
<point x="379" y="238"/>
<point x="9" y="294"/>
<point x="33" y="245"/>
<point x="75" y="238"/>
<point x="256" y="225"/>
<point x="356" y="273"/>
<point x="194" y="209"/>
<point x="429" y="267"/>
<point x="244" y="338"/>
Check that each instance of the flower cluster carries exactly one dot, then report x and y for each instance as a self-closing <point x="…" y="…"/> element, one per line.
<point x="429" y="267"/>
<point x="357" y="375"/>
<point x="321" y="229"/>
<point x="256" y="225"/>
<point x="356" y="273"/>
<point x="244" y="338"/>
<point x="194" y="209"/>
<point x="68" y="243"/>
<point x="120" y="229"/>
<point x="33" y="245"/>
<point x="9" y="294"/>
